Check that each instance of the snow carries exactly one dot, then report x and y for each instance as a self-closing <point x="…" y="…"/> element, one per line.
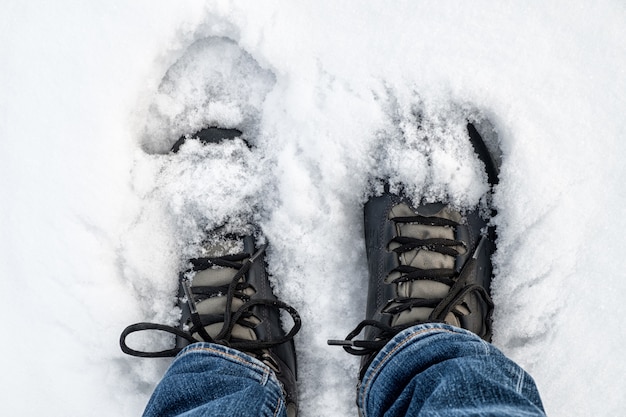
<point x="97" y="218"/>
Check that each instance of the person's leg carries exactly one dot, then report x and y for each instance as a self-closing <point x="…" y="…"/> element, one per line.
<point x="440" y="370"/>
<point x="207" y="379"/>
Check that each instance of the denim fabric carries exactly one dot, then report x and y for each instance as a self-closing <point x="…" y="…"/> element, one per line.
<point x="207" y="379"/>
<point x="427" y="370"/>
<point x="440" y="370"/>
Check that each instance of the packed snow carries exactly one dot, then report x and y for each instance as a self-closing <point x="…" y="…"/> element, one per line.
<point x="333" y="97"/>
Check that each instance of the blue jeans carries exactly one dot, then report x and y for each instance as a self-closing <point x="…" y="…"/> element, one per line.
<point x="426" y="370"/>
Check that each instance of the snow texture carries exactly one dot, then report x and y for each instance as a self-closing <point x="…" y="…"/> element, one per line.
<point x="97" y="217"/>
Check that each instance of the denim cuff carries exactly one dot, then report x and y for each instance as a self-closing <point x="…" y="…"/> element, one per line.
<point x="405" y="338"/>
<point x="254" y="367"/>
<point x="207" y="378"/>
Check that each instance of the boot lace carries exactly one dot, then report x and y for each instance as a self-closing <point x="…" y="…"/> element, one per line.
<point x="242" y="316"/>
<point x="451" y="303"/>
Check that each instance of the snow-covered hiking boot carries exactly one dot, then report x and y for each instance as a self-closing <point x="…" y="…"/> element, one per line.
<point x="428" y="263"/>
<point x="226" y="298"/>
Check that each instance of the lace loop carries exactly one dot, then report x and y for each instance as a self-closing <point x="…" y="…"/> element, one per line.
<point x="138" y="327"/>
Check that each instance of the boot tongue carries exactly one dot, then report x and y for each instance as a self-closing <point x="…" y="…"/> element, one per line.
<point x="216" y="305"/>
<point x="422" y="314"/>
<point x="423" y="258"/>
<point x="213" y="277"/>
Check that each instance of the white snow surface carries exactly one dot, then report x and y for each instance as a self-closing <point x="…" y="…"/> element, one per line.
<point x="97" y="218"/>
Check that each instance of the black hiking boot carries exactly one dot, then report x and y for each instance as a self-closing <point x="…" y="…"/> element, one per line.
<point x="226" y="298"/>
<point x="427" y="264"/>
